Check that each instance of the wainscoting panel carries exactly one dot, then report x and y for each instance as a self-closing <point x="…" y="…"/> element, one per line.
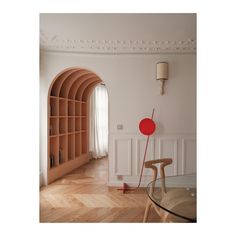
<point x="189" y="156"/>
<point x="168" y="148"/>
<point x="140" y="150"/>
<point x="122" y="156"/>
<point x="126" y="152"/>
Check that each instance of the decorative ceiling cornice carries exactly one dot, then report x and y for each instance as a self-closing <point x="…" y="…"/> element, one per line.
<point x="116" y="46"/>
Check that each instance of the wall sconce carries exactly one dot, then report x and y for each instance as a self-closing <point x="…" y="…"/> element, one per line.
<point x="162" y="74"/>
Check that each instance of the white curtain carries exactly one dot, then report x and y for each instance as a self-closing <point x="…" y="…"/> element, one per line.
<point x="98" y="143"/>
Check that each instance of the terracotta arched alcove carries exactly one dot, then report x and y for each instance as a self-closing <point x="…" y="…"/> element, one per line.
<point x="68" y="120"/>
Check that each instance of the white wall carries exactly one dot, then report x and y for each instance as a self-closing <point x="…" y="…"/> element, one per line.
<point x="133" y="93"/>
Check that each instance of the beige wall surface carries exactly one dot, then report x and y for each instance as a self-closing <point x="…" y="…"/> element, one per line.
<point x="133" y="93"/>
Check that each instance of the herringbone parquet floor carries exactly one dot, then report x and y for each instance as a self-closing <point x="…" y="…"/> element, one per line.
<point x="83" y="196"/>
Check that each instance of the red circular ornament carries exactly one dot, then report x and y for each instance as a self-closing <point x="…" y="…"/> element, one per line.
<point x="147" y="126"/>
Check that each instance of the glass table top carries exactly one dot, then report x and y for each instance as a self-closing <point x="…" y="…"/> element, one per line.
<point x="176" y="195"/>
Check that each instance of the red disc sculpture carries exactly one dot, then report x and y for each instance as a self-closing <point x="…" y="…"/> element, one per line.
<point x="147" y="127"/>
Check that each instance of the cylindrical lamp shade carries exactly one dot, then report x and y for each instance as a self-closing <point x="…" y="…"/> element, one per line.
<point x="162" y="70"/>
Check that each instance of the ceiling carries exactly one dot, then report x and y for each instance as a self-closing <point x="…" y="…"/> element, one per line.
<point x="118" y="33"/>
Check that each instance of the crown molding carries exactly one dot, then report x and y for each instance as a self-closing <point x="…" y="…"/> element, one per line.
<point x="116" y="46"/>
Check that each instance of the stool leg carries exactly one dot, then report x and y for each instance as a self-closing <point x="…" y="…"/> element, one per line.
<point x="164" y="216"/>
<point x="148" y="205"/>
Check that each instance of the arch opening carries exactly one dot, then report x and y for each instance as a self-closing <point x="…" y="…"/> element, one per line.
<point x="68" y="120"/>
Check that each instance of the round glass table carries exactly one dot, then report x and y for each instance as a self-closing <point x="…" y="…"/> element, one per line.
<point x="176" y="195"/>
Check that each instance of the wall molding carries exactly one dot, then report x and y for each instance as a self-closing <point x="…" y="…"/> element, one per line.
<point x="183" y="144"/>
<point x="129" y="156"/>
<point x="116" y="46"/>
<point x="173" y="146"/>
<point x="151" y="147"/>
<point x="175" y="152"/>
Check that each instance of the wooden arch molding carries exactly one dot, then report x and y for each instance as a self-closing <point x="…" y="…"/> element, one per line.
<point x="73" y="82"/>
<point x="68" y="126"/>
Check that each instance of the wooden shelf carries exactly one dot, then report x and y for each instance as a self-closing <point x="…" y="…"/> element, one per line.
<point x="71" y="124"/>
<point x="77" y="145"/>
<point x="84" y="109"/>
<point x="63" y="156"/>
<point x="77" y="124"/>
<point x="53" y="155"/>
<point x="84" y="123"/>
<point x="53" y="128"/>
<point x="71" y="147"/>
<point x="63" y="99"/>
<point x="71" y="108"/>
<point x="54" y="107"/>
<point x="84" y="145"/>
<point x="77" y="109"/>
<point x="68" y="121"/>
<point x="62" y="125"/>
<point x="62" y="107"/>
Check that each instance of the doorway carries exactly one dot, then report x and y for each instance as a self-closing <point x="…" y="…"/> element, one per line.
<point x="98" y="121"/>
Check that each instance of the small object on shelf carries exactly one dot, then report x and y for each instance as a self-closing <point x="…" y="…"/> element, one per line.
<point x="51" y="160"/>
<point x="60" y="156"/>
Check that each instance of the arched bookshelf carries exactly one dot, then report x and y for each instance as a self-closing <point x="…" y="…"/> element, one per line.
<point x="68" y="120"/>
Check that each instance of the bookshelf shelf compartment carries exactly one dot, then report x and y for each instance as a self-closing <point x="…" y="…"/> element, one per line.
<point x="71" y="125"/>
<point x="63" y="125"/>
<point x="77" y="109"/>
<point x="63" y="156"/>
<point x="84" y="109"/>
<point x="84" y="123"/>
<point x="63" y="107"/>
<point x="54" y="106"/>
<point x="84" y="143"/>
<point x="71" y="108"/>
<point x="77" y="145"/>
<point x="53" y="128"/>
<point x="68" y="121"/>
<point x="71" y="147"/>
<point x="53" y="159"/>
<point x="77" y="124"/>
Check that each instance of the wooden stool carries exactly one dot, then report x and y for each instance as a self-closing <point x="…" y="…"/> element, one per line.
<point x="151" y="164"/>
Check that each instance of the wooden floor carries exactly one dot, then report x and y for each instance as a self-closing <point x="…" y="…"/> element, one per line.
<point x="83" y="196"/>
